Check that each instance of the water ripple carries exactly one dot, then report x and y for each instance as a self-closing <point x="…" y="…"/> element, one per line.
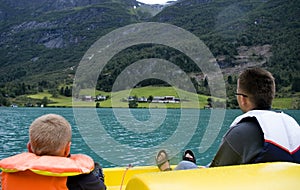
<point x="14" y="123"/>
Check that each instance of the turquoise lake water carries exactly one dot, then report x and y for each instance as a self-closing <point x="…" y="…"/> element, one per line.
<point x="118" y="137"/>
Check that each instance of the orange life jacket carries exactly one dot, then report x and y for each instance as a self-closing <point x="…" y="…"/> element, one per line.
<point x="26" y="171"/>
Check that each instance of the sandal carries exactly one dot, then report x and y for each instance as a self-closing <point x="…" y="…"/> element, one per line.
<point x="162" y="161"/>
<point x="188" y="155"/>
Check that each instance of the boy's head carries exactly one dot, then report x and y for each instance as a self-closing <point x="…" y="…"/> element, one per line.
<point x="50" y="135"/>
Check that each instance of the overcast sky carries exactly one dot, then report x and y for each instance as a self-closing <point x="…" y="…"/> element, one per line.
<point x="153" y="1"/>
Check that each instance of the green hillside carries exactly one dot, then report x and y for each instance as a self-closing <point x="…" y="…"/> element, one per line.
<point x="43" y="42"/>
<point x="225" y="25"/>
<point x="119" y="97"/>
<point x="189" y="100"/>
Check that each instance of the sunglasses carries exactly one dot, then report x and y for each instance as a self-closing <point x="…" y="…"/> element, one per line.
<point x="241" y="94"/>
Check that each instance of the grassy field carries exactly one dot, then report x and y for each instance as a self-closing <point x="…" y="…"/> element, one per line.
<point x="116" y="99"/>
<point x="283" y="103"/>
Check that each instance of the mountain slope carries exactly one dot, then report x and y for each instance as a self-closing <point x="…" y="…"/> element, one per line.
<point x="42" y="41"/>
<point x="226" y="26"/>
<point x="48" y="36"/>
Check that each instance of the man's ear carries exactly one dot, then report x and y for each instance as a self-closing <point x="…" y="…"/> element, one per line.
<point x="29" y="147"/>
<point x="247" y="104"/>
<point x="67" y="149"/>
<point x="244" y="100"/>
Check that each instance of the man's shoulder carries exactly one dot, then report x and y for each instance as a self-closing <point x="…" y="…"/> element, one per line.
<point x="247" y="126"/>
<point x="91" y="181"/>
<point x="246" y="122"/>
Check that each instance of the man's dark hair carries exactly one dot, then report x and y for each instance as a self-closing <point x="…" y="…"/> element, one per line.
<point x="259" y="85"/>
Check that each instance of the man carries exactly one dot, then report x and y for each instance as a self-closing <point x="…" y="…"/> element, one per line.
<point x="48" y="163"/>
<point x="259" y="135"/>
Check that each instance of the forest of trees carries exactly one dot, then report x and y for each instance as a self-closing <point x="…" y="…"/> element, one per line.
<point x="29" y="67"/>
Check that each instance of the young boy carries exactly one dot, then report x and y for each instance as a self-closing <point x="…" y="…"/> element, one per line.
<point x="48" y="163"/>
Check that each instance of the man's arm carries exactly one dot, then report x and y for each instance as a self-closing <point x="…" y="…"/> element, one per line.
<point x="91" y="181"/>
<point x="225" y="156"/>
<point x="240" y="145"/>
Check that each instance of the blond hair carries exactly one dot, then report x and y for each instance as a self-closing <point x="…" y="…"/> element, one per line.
<point x="49" y="134"/>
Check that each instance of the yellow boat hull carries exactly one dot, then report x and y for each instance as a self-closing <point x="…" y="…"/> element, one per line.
<point x="280" y="175"/>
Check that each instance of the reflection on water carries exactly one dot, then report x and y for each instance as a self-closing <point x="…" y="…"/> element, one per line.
<point x="148" y="130"/>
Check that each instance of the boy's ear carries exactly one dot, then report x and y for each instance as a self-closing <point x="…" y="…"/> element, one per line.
<point x="29" y="147"/>
<point x="67" y="149"/>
